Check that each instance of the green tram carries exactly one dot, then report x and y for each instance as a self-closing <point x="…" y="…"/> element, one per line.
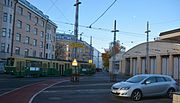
<point x="36" y="67"/>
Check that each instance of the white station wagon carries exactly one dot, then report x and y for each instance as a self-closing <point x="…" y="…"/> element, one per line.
<point x="144" y="85"/>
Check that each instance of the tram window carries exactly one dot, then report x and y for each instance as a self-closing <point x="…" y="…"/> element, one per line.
<point x="10" y="62"/>
<point x="53" y="65"/>
<point x="48" y="65"/>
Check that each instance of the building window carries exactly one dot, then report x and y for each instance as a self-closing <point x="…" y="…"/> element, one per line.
<point x="9" y="34"/>
<point x="11" y="3"/>
<point x="41" y="44"/>
<point x="10" y="19"/>
<point x="54" y="30"/>
<point x="29" y="16"/>
<point x="5" y="16"/>
<point x="53" y="48"/>
<point x="46" y="55"/>
<point x="4" y="2"/>
<point x="20" y="10"/>
<point x="27" y="40"/>
<point x="42" y="23"/>
<point x="36" y="19"/>
<point x="35" y="31"/>
<point x="18" y="37"/>
<point x="4" y="32"/>
<point x="8" y="48"/>
<point x="26" y="52"/>
<point x="17" y="50"/>
<point x="19" y="24"/>
<point x="42" y="34"/>
<point x="28" y="28"/>
<point x="34" y="53"/>
<point x="34" y="42"/>
<point x="3" y="47"/>
<point x="46" y="46"/>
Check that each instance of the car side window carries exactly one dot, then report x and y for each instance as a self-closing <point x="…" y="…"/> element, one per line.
<point x="167" y="79"/>
<point x="151" y="80"/>
<point x="160" y="79"/>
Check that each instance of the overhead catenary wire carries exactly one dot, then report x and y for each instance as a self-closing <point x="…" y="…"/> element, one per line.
<point x="54" y="4"/>
<point x="101" y="29"/>
<point x="102" y="14"/>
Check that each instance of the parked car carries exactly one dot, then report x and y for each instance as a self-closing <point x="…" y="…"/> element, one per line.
<point x="145" y="85"/>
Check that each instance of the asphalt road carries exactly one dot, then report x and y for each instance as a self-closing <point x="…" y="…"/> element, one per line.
<point x="9" y="82"/>
<point x="92" y="89"/>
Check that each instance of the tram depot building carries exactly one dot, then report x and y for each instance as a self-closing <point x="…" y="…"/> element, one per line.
<point x="164" y="56"/>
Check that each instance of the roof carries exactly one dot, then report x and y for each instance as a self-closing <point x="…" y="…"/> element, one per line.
<point x="151" y="75"/>
<point x="169" y="32"/>
<point x="36" y="10"/>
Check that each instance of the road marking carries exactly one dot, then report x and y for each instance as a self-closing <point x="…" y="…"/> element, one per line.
<point x="79" y="91"/>
<point x="83" y="85"/>
<point x="30" y="101"/>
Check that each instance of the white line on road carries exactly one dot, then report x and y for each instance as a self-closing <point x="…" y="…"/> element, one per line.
<point x="79" y="91"/>
<point x="30" y="101"/>
<point x="84" y="85"/>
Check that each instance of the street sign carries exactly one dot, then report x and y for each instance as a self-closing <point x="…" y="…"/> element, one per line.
<point x="90" y="61"/>
<point x="77" y="45"/>
<point x="74" y="63"/>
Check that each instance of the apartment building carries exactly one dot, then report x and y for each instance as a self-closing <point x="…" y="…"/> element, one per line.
<point x="25" y="31"/>
<point x="65" y="46"/>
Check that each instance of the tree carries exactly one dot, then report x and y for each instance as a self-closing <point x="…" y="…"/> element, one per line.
<point x="60" y="51"/>
<point x="105" y="58"/>
<point x="114" y="49"/>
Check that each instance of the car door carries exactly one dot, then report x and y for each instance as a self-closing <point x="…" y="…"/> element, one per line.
<point x="162" y="84"/>
<point x="149" y="86"/>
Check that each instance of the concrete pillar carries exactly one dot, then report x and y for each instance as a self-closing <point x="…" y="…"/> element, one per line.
<point x="131" y="67"/>
<point x="139" y="65"/>
<point x="170" y="65"/>
<point x="159" y="62"/>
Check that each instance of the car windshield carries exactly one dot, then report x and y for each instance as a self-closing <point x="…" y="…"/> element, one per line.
<point x="136" y="79"/>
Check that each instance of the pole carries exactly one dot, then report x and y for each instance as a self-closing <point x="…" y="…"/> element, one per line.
<point x="98" y="59"/>
<point x="147" y="49"/>
<point x="113" y="53"/>
<point x="75" y="75"/>
<point x="76" y="24"/>
<point x="91" y="53"/>
<point x="14" y="22"/>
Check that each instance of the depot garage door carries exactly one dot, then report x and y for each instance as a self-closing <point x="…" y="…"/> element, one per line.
<point x="134" y="66"/>
<point x="176" y="67"/>
<point x="165" y="66"/>
<point x="143" y="65"/>
<point x="153" y="65"/>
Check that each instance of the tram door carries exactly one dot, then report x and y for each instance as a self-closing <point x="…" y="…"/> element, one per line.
<point x="2" y="63"/>
<point x="176" y="67"/>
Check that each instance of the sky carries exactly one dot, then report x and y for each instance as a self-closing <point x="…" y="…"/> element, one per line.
<point x="131" y="18"/>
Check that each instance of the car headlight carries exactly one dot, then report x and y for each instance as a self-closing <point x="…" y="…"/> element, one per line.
<point x="125" y="88"/>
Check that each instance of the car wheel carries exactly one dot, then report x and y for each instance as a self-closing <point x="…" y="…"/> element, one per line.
<point x="136" y="95"/>
<point x="170" y="93"/>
